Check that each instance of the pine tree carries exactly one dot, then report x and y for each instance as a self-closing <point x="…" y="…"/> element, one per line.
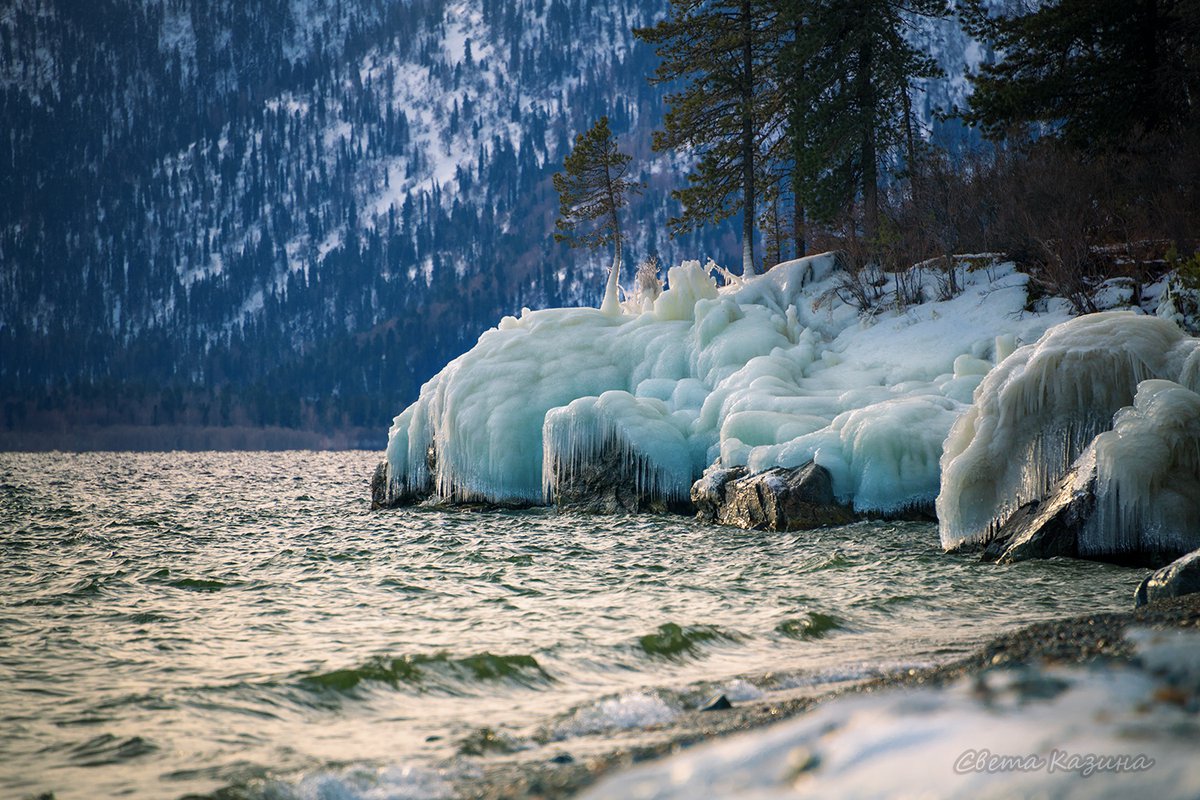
<point x="853" y="107"/>
<point x="1092" y="72"/>
<point x="592" y="190"/>
<point x="719" y="49"/>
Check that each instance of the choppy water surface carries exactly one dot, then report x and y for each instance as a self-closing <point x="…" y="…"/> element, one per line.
<point x="173" y="624"/>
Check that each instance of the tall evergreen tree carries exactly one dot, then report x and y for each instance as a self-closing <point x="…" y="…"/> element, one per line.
<point x="717" y="50"/>
<point x="852" y="109"/>
<point x="592" y="190"/>
<point x="1094" y="72"/>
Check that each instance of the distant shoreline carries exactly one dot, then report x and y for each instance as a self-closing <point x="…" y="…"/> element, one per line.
<point x="165" y="438"/>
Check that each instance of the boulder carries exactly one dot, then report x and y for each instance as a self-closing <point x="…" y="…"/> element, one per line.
<point x="379" y="486"/>
<point x="1049" y="527"/>
<point x="1178" y="578"/>
<point x="610" y="485"/>
<point x="1056" y="525"/>
<point x="782" y="499"/>
<point x="708" y="493"/>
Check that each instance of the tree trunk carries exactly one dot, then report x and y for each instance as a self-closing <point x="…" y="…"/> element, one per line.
<point x="749" y="201"/>
<point x="774" y="243"/>
<point x="798" y="218"/>
<point x="910" y="145"/>
<point x="870" y="167"/>
<point x="797" y="207"/>
<point x="612" y="303"/>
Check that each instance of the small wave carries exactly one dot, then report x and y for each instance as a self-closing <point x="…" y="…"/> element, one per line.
<point x="109" y="749"/>
<point x="835" y="560"/>
<point x="198" y="584"/>
<point x="623" y="712"/>
<point x="163" y="576"/>
<point x="812" y="626"/>
<point x="675" y="642"/>
<point x="438" y="671"/>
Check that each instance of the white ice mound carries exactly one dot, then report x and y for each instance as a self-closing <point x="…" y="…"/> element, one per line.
<point x="1148" y="475"/>
<point x="1040" y="408"/>
<point x="776" y="371"/>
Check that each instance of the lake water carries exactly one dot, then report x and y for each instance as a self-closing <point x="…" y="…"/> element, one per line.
<point x="175" y="624"/>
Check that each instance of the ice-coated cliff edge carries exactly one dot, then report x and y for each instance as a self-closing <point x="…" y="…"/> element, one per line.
<point x="779" y="370"/>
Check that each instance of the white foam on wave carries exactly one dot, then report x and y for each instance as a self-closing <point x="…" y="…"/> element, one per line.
<point x="741" y="691"/>
<point x="626" y="711"/>
<point x="362" y="783"/>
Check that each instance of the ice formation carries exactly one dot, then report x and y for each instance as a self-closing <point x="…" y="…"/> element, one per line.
<point x="774" y="371"/>
<point x="1039" y="409"/>
<point x="1148" y="475"/>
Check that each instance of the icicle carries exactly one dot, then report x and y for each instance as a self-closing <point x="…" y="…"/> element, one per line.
<point x="1148" y="475"/>
<point x="1036" y="412"/>
<point x="649" y="446"/>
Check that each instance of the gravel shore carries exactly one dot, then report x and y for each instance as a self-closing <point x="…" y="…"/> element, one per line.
<point x="560" y="770"/>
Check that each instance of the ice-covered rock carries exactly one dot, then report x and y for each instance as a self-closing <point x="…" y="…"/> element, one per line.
<point x="389" y="493"/>
<point x="1052" y="526"/>
<point x="1178" y="578"/>
<point x="1148" y="477"/>
<point x="773" y="371"/>
<point x="1037" y="411"/>
<point x="708" y="493"/>
<point x="1131" y="497"/>
<point x="782" y="499"/>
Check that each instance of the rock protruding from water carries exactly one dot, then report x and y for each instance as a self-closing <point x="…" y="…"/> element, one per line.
<point x="708" y="493"/>
<point x="612" y="484"/>
<point x="779" y="499"/>
<point x="1067" y="523"/>
<point x="719" y="703"/>
<point x="389" y="493"/>
<point x="1049" y="527"/>
<point x="1178" y="578"/>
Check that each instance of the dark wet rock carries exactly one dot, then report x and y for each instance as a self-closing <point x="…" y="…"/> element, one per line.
<point x="720" y="703"/>
<point x="782" y="499"/>
<point x="1054" y="525"/>
<point x="562" y="758"/>
<point x="1049" y="527"/>
<point x="708" y="493"/>
<point x="486" y="740"/>
<point x="610" y="485"/>
<point x="387" y="492"/>
<point x="1180" y="577"/>
<point x="379" y="486"/>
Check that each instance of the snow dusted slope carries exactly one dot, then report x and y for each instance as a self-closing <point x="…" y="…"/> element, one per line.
<point x="777" y="371"/>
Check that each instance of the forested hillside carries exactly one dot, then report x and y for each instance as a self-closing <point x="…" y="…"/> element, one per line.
<point x="291" y="213"/>
<point x="295" y="207"/>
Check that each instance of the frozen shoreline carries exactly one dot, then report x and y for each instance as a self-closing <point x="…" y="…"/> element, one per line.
<point x="1096" y="641"/>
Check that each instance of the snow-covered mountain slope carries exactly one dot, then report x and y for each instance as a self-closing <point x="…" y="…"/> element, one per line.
<point x="276" y="193"/>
